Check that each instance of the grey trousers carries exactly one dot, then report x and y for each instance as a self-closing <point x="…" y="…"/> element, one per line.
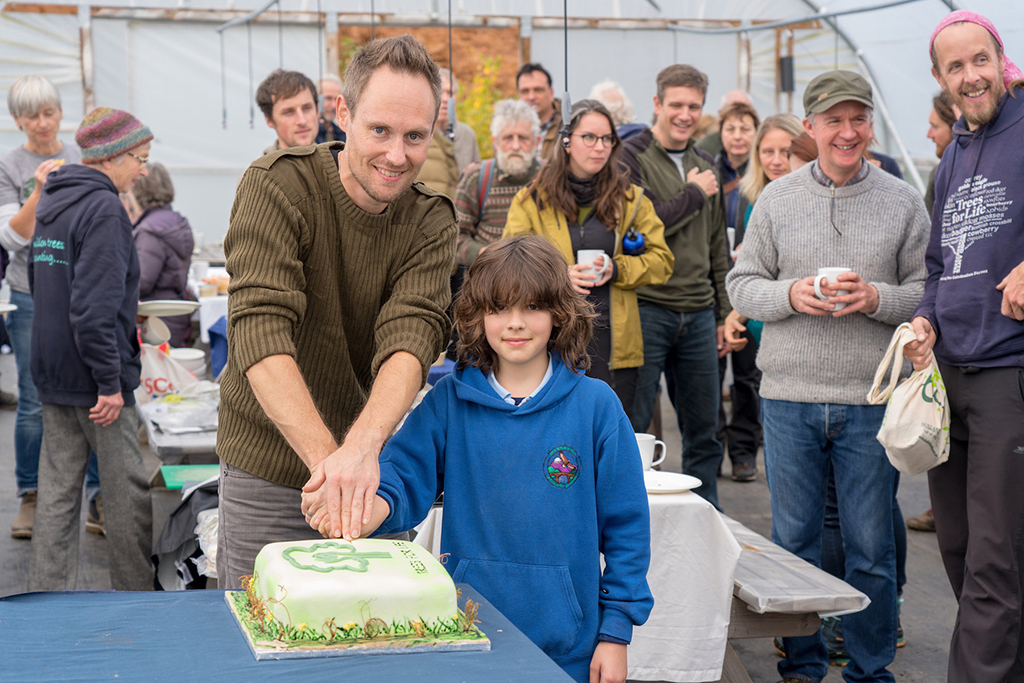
<point x="68" y="436"/>
<point x="253" y="513"/>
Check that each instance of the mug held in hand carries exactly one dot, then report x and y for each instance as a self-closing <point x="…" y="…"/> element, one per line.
<point x="831" y="275"/>
<point x="588" y="256"/>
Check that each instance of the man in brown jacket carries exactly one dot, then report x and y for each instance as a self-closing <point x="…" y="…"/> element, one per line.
<point x="339" y="282"/>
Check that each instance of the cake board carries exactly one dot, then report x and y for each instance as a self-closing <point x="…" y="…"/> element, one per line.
<point x="263" y="648"/>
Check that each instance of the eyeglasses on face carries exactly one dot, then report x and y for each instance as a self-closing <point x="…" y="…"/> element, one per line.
<point x="589" y="139"/>
<point x="142" y="160"/>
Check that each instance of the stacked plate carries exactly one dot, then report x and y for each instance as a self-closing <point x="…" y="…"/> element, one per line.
<point x="669" y="482"/>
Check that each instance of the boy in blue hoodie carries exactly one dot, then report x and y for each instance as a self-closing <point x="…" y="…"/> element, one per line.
<point x="538" y="464"/>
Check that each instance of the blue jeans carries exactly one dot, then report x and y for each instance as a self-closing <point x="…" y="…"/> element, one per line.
<point x="801" y="441"/>
<point x="28" y="423"/>
<point x="833" y="558"/>
<point x="684" y="347"/>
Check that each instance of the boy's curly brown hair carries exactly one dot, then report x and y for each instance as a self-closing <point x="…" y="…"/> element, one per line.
<point x="520" y="271"/>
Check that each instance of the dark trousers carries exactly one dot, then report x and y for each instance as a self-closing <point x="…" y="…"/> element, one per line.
<point x="743" y="432"/>
<point x="979" y="519"/>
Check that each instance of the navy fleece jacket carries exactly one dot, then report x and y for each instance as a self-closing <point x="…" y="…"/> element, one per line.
<point x="977" y="239"/>
<point x="84" y="273"/>
<point x="533" y="494"/>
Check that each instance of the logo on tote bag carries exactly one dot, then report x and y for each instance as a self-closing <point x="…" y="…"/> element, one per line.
<point x="562" y="466"/>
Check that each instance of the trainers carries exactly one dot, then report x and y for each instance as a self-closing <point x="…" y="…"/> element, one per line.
<point x="832" y="630"/>
<point x="22" y="526"/>
<point x="900" y="642"/>
<point x="743" y="471"/>
<point x="94" y="522"/>
<point x="923" y="522"/>
<point x="8" y="401"/>
<point x="777" y="643"/>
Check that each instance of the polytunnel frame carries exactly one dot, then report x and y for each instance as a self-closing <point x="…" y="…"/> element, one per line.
<point x="858" y="53"/>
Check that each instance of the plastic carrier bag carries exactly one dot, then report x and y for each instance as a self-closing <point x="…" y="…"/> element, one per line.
<point x="915" y="430"/>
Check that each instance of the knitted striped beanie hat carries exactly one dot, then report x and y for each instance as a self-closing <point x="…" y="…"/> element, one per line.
<point x="106" y="133"/>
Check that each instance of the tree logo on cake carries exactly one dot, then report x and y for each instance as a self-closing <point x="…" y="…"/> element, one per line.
<point x="332" y="556"/>
<point x="561" y="466"/>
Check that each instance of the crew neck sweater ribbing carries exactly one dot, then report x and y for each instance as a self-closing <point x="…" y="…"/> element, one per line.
<point x="821" y="359"/>
<point x="315" y="277"/>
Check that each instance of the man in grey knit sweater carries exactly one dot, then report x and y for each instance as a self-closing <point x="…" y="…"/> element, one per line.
<point x="819" y="356"/>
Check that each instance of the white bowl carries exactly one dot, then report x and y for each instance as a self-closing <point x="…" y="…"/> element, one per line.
<point x="155" y="331"/>
<point x="190" y="359"/>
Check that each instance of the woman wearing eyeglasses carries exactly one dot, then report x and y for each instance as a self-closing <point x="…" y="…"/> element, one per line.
<point x="583" y="200"/>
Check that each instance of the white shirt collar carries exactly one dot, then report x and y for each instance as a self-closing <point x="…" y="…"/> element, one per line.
<point x="506" y="395"/>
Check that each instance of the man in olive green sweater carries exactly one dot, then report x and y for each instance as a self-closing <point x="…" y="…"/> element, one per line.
<point x="682" y="320"/>
<point x="339" y="282"/>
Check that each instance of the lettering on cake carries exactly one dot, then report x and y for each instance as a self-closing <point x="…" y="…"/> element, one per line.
<point x="410" y="554"/>
<point x="331" y="556"/>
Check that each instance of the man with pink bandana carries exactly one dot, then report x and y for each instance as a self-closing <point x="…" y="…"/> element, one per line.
<point x="972" y="318"/>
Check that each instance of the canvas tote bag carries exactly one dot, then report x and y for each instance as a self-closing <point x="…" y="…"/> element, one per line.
<point x="915" y="430"/>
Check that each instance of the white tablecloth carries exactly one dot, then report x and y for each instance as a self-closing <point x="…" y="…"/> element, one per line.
<point x="211" y="308"/>
<point x="693" y="559"/>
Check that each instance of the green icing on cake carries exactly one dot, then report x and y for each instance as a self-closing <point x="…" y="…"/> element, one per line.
<point x="320" y="558"/>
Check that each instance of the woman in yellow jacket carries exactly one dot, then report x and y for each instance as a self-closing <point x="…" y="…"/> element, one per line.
<point x="582" y="199"/>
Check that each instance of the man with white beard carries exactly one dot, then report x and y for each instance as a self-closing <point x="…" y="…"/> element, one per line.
<point x="486" y="188"/>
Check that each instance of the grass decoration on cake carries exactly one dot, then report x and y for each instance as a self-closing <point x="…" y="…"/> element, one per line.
<point x="268" y="633"/>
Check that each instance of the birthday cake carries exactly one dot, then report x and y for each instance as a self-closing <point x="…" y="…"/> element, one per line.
<point x="347" y="597"/>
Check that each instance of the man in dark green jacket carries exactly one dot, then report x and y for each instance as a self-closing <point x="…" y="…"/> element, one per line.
<point x="682" y="319"/>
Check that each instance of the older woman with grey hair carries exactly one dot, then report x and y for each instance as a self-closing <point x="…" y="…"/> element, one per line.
<point x="34" y="103"/>
<point x="163" y="239"/>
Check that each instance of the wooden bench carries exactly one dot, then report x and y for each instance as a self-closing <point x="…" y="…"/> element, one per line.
<point x="776" y="593"/>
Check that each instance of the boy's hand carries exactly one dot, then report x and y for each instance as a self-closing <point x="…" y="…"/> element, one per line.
<point x="609" y="663"/>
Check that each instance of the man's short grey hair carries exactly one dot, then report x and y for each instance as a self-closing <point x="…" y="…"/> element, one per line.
<point x="510" y="112"/>
<point x="736" y="96"/>
<point x="447" y="73"/>
<point x="332" y="78"/>
<point x="618" y="105"/>
<point x="31" y="93"/>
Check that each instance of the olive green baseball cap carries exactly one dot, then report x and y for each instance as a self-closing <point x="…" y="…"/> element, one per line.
<point x="832" y="87"/>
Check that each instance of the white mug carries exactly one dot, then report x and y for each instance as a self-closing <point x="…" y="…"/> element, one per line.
<point x="647" y="443"/>
<point x="832" y="275"/>
<point x="200" y="269"/>
<point x="586" y="257"/>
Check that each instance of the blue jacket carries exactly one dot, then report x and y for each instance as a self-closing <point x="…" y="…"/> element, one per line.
<point x="84" y="274"/>
<point x="533" y="495"/>
<point x="977" y="239"/>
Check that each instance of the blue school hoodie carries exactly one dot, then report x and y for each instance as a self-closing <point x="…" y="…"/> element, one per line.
<point x="977" y="238"/>
<point x="84" y="274"/>
<point x="533" y="494"/>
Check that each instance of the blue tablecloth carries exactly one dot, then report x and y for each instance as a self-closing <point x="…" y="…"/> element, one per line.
<point x="438" y="371"/>
<point x="191" y="635"/>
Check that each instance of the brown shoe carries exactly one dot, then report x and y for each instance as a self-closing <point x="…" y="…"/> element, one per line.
<point x="22" y="526"/>
<point x="923" y="522"/>
<point x="94" y="522"/>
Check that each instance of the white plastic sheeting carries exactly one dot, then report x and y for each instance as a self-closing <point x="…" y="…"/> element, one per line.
<point x="167" y="71"/>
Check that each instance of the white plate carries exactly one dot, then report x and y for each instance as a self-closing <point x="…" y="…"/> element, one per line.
<point x="7" y="308"/>
<point x="669" y="482"/>
<point x="162" y="307"/>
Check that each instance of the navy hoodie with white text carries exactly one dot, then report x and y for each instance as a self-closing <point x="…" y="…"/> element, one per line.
<point x="84" y="274"/>
<point x="977" y="239"/>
